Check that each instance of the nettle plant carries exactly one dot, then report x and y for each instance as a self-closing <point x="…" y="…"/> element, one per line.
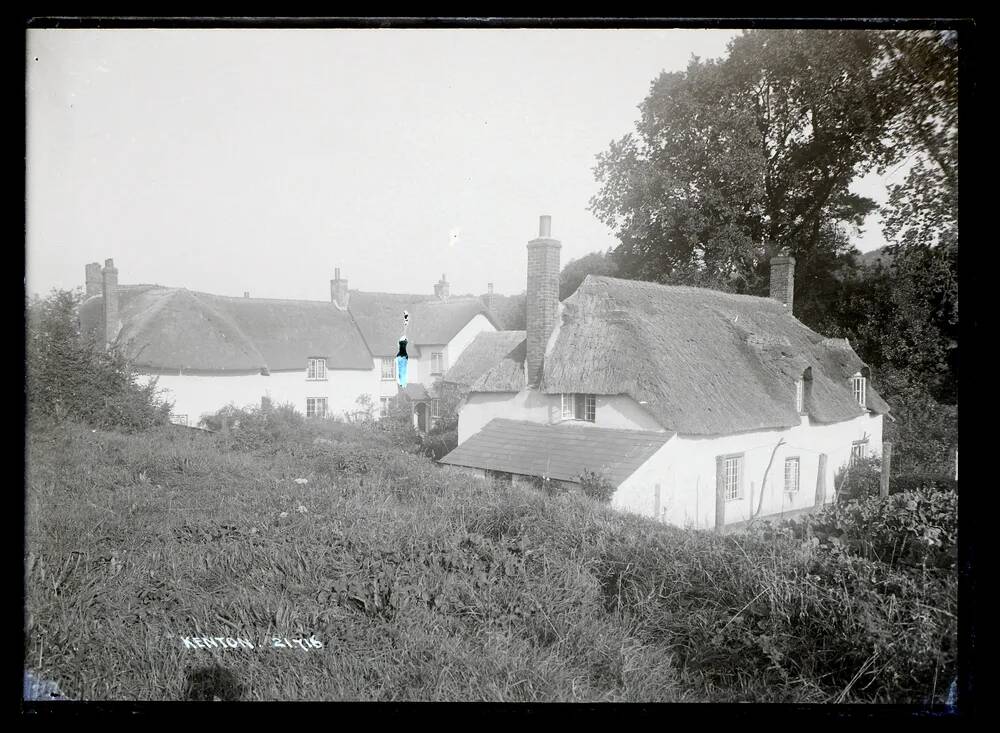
<point x="597" y="486"/>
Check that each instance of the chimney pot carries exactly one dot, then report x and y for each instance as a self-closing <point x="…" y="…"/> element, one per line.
<point x="336" y="273"/>
<point x="544" y="226"/>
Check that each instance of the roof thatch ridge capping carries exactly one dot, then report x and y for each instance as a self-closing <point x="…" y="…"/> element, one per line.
<point x="702" y="362"/>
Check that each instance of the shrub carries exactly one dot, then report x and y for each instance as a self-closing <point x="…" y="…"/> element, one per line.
<point x="916" y="481"/>
<point x="915" y="529"/>
<point x="859" y="479"/>
<point x="596" y="486"/>
<point x="70" y="375"/>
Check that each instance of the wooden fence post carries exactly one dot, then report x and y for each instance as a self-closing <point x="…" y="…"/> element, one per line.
<point x="821" y="481"/>
<point x="886" y="464"/>
<point x="656" y="502"/>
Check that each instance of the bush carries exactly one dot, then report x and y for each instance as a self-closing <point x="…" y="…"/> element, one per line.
<point x="915" y="529"/>
<point x="859" y="479"/>
<point x="916" y="481"/>
<point x="596" y="486"/>
<point x="70" y="375"/>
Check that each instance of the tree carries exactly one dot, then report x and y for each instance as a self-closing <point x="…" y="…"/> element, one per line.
<point x="575" y="271"/>
<point x="69" y="375"/>
<point x="735" y="159"/>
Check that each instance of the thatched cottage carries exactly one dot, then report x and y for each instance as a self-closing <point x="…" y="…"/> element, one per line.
<point x="684" y="398"/>
<point x="207" y="351"/>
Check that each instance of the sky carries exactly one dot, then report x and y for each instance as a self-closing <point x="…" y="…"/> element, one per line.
<point x="232" y="160"/>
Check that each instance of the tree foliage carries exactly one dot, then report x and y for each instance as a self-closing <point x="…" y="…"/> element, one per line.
<point x="575" y="271"/>
<point x="737" y="158"/>
<point x="70" y="375"/>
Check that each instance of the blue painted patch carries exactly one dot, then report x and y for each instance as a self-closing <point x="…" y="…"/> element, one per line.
<point x="401" y="362"/>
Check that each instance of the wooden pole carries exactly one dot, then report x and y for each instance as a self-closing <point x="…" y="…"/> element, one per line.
<point x="656" y="502"/>
<point x="886" y="463"/>
<point x="821" y="481"/>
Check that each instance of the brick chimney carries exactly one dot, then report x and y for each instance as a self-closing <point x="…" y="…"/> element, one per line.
<point x="338" y="290"/>
<point x="93" y="281"/>
<point x="783" y="279"/>
<point x="246" y="293"/>
<point x="441" y="288"/>
<point x="109" y="285"/>
<point x="542" y="296"/>
<point x="489" y="296"/>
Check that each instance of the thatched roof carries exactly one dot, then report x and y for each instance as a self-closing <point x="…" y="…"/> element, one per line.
<point x="702" y="362"/>
<point x="175" y="328"/>
<point x="484" y="352"/>
<point x="561" y="451"/>
<point x="432" y="321"/>
<point x="507" y="375"/>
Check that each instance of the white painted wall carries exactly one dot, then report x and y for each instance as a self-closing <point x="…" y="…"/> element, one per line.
<point x="612" y="411"/>
<point x="196" y="396"/>
<point x="685" y="471"/>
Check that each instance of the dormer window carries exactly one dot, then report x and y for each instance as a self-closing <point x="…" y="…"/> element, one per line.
<point x="578" y="407"/>
<point x="859" y="385"/>
<point x="316" y="368"/>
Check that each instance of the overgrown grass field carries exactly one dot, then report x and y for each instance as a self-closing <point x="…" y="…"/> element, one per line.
<point x="425" y="584"/>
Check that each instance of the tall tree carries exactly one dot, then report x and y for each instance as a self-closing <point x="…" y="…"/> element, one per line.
<point x="575" y="271"/>
<point x="736" y="158"/>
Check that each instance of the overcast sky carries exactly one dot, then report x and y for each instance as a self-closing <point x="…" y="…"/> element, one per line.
<point x="243" y="159"/>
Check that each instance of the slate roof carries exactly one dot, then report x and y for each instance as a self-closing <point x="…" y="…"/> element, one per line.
<point x="560" y="451"/>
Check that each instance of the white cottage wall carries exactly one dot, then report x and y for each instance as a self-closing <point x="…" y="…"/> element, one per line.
<point x="685" y="470"/>
<point x="198" y="395"/>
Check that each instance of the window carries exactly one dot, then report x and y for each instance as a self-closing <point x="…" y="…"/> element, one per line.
<point x="316" y="369"/>
<point x="858" y="383"/>
<point x="580" y="406"/>
<point x="388" y="369"/>
<point x="792" y="474"/>
<point x="383" y="407"/>
<point x="316" y="407"/>
<point x="437" y="362"/>
<point x="859" y="451"/>
<point x="435" y="408"/>
<point x="179" y="419"/>
<point x="800" y="393"/>
<point x="732" y="467"/>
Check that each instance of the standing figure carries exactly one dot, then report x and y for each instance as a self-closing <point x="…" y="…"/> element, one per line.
<point x="401" y="357"/>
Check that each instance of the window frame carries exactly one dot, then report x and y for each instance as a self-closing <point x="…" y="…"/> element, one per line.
<point x="315" y="365"/>
<point x="859" y="385"/>
<point x="740" y="475"/>
<point x="859" y="451"/>
<point x="316" y="400"/>
<point x="391" y="361"/>
<point x="436" y="407"/>
<point x="176" y="419"/>
<point x="582" y="406"/>
<point x="437" y="357"/>
<point x="383" y="407"/>
<point x="793" y="461"/>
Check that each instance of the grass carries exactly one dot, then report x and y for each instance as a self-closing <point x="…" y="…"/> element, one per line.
<point x="422" y="584"/>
